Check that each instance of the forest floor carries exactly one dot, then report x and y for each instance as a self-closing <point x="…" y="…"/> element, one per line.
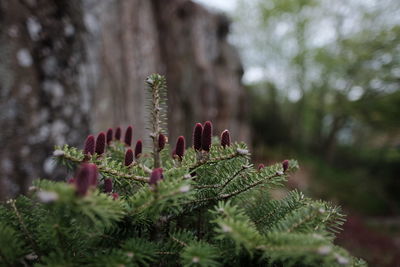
<point x="375" y="239"/>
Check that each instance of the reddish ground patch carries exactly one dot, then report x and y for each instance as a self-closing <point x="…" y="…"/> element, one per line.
<point x="377" y="248"/>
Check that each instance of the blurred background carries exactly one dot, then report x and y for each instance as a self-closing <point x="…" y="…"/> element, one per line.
<point x="315" y="80"/>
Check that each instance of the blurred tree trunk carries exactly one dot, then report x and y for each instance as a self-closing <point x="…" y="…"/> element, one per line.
<point x="70" y="66"/>
<point x="41" y="102"/>
<point x="123" y="49"/>
<point x="203" y="70"/>
<point x="130" y="39"/>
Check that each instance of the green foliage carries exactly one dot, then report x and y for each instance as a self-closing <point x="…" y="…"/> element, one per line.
<point x="209" y="209"/>
<point x="329" y="92"/>
<point x="11" y="248"/>
<point x="199" y="254"/>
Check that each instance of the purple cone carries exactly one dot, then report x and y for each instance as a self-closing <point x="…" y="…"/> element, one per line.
<point x="206" y="136"/>
<point x="128" y="157"/>
<point x="197" y="131"/>
<point x="89" y="145"/>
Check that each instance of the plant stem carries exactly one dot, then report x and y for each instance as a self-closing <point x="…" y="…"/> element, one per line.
<point x="25" y="229"/>
<point x="156" y="84"/>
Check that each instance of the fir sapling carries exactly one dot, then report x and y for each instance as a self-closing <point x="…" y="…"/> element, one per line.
<point x="203" y="205"/>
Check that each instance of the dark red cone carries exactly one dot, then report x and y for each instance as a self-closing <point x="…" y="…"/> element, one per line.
<point x="180" y="147"/>
<point x="115" y="196"/>
<point x="225" y="138"/>
<point x="93" y="174"/>
<point x="161" y="142"/>
<point x="285" y="165"/>
<point x="197" y="131"/>
<point x="128" y="136"/>
<point x="108" y="185"/>
<point x="118" y="133"/>
<point x="109" y="135"/>
<point x="138" y="148"/>
<point x="128" y="157"/>
<point x="89" y="145"/>
<point x="206" y="136"/>
<point x="156" y="176"/>
<point x="86" y="177"/>
<point x="261" y="166"/>
<point x="100" y="143"/>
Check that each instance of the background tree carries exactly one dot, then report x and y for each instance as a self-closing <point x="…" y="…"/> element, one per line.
<point x="327" y="87"/>
<point x="41" y="101"/>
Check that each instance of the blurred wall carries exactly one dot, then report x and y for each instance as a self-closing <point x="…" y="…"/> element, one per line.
<point x="68" y="68"/>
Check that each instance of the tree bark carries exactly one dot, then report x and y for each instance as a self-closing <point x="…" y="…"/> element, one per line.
<point x="69" y="67"/>
<point x="203" y="70"/>
<point x="41" y="102"/>
<point x="179" y="39"/>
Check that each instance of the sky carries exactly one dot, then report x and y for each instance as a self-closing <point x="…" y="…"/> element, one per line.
<point x="222" y="5"/>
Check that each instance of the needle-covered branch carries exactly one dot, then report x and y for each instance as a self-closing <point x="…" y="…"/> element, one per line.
<point x="198" y="204"/>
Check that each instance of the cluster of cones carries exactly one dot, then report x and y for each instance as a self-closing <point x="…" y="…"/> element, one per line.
<point x="98" y="145"/>
<point x="285" y="166"/>
<point x="202" y="137"/>
<point x="87" y="174"/>
<point x="87" y="178"/>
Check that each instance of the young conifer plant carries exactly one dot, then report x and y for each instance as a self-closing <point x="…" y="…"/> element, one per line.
<point x="200" y="204"/>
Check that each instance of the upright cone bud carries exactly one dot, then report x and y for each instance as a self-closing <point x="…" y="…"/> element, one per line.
<point x="285" y="165"/>
<point x="89" y="145"/>
<point x="118" y="133"/>
<point x="155" y="176"/>
<point x="128" y="136"/>
<point x="115" y="196"/>
<point x="94" y="174"/>
<point x="109" y="135"/>
<point x="180" y="147"/>
<point x="161" y="141"/>
<point x="82" y="181"/>
<point x="261" y="166"/>
<point x="138" y="148"/>
<point x="128" y="157"/>
<point x="225" y="138"/>
<point x="108" y="185"/>
<point x="100" y="143"/>
<point x="197" y="131"/>
<point x="206" y="136"/>
<point x="86" y="177"/>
